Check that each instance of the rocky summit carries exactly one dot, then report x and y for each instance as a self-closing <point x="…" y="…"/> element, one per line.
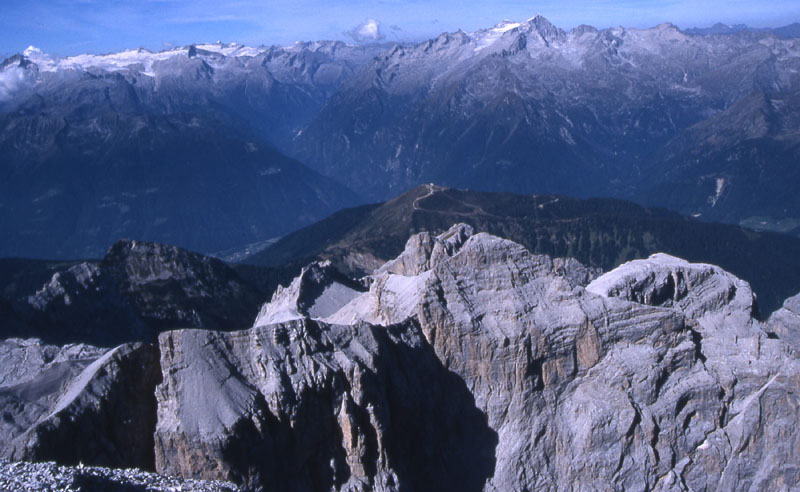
<point x="466" y="363"/>
<point x="136" y="291"/>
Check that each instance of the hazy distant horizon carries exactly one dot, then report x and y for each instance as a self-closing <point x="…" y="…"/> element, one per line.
<point x="68" y="27"/>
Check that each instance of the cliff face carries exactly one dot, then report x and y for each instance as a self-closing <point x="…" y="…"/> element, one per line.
<point x="303" y="405"/>
<point x="78" y="404"/>
<point x="470" y="357"/>
<point x="467" y="363"/>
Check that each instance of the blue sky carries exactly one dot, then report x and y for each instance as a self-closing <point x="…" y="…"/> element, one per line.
<point x="66" y="27"/>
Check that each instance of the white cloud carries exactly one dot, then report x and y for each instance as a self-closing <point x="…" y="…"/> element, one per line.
<point x="369" y="30"/>
<point x="11" y="79"/>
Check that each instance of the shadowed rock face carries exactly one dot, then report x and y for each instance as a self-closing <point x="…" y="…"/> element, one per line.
<point x="303" y="405"/>
<point x="79" y="404"/>
<point x="138" y="290"/>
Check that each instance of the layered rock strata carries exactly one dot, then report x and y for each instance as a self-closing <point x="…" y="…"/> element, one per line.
<point x="470" y="357"/>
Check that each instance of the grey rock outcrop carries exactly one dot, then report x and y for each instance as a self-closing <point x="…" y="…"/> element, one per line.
<point x="78" y="403"/>
<point x="398" y="288"/>
<point x="694" y="288"/>
<point x="25" y="359"/>
<point x="653" y="377"/>
<point x="303" y="405"/>
<point x="753" y="442"/>
<point x="423" y="250"/>
<point x="469" y="364"/>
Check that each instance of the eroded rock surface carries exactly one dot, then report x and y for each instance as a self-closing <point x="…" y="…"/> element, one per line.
<point x="304" y="405"/>
<point x="655" y="376"/>
<point x="468" y="364"/>
<point x="753" y="444"/>
<point x="78" y="403"/>
<point x="697" y="289"/>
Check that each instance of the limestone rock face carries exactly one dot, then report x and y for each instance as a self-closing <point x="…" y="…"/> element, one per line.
<point x="538" y="351"/>
<point x="655" y="376"/>
<point x="468" y="364"/>
<point x="78" y="403"/>
<point x="398" y="288"/>
<point x="423" y="249"/>
<point x="24" y="359"/>
<point x="697" y="289"/>
<point x="755" y="373"/>
<point x="303" y="405"/>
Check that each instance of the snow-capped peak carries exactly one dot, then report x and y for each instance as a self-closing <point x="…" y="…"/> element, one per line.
<point x="137" y="59"/>
<point x="231" y="49"/>
<point x="120" y="61"/>
<point x="486" y="37"/>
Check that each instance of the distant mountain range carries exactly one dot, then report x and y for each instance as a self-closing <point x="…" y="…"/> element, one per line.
<point x="215" y="147"/>
<point x="705" y="125"/>
<point x="785" y="32"/>
<point x="171" y="147"/>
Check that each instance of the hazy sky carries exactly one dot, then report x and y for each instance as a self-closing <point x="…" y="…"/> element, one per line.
<point x="67" y="27"/>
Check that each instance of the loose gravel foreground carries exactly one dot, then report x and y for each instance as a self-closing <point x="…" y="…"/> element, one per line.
<point x="49" y="477"/>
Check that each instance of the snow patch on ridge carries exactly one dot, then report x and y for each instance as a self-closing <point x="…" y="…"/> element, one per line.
<point x="486" y="37"/>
